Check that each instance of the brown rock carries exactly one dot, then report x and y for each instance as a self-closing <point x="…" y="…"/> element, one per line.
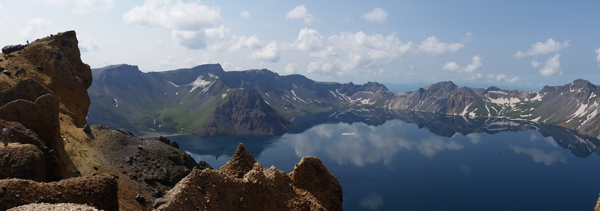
<point x="257" y="188"/>
<point x="23" y="162"/>
<point x="100" y="192"/>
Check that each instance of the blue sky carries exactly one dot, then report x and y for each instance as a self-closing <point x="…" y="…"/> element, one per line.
<point x="504" y="43"/>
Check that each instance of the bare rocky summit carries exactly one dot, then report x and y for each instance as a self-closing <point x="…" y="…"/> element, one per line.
<point x="242" y="184"/>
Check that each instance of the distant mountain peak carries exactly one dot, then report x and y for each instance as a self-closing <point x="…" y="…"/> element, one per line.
<point x="444" y="86"/>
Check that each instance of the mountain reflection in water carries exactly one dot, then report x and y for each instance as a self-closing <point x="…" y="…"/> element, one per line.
<point x="402" y="160"/>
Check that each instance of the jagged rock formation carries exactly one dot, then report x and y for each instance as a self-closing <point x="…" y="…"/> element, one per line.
<point x="242" y="184"/>
<point x="100" y="192"/>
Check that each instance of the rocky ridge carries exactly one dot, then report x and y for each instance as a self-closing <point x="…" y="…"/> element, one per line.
<point x="242" y="184"/>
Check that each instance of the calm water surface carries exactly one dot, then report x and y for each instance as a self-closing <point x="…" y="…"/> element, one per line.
<point x="413" y="161"/>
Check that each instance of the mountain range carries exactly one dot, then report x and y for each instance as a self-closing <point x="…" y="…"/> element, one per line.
<point x="206" y="100"/>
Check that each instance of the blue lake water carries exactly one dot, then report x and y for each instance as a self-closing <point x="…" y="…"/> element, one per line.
<point x="395" y="160"/>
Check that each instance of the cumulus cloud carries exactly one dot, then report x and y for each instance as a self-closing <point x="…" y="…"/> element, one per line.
<point x="269" y="54"/>
<point x="378" y="15"/>
<point x="81" y="6"/>
<point x="451" y="66"/>
<point x="189" y="22"/>
<point x="300" y="12"/>
<point x="540" y="48"/>
<point x="251" y="42"/>
<point x="173" y="14"/>
<point x="434" y="47"/>
<point x="245" y="14"/>
<point x="475" y="65"/>
<point x="190" y="39"/>
<point x="290" y="68"/>
<point x="308" y="40"/>
<point x="35" y="27"/>
<point x="500" y="77"/>
<point x="512" y="80"/>
<point x="552" y="67"/>
<point x="348" y="52"/>
<point x="535" y="64"/>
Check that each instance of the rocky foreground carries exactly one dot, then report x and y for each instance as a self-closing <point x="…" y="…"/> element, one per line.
<point x="54" y="160"/>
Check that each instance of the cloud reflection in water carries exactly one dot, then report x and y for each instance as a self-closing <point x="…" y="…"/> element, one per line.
<point x="365" y="144"/>
<point x="539" y="155"/>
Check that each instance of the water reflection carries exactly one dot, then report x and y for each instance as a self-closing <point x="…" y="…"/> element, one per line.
<point x="372" y="201"/>
<point x="367" y="144"/>
<point x="539" y="156"/>
<point x="448" y="126"/>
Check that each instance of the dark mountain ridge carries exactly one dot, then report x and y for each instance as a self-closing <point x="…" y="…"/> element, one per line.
<point x="184" y="101"/>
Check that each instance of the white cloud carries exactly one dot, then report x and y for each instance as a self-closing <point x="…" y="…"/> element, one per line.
<point x="290" y="68"/>
<point x="512" y="80"/>
<point x="451" y="66"/>
<point x="552" y="67"/>
<point x="300" y="12"/>
<point x="35" y="28"/>
<point x="245" y="14"/>
<point x="308" y="40"/>
<point x="468" y="37"/>
<point x="535" y="64"/>
<point x="378" y="15"/>
<point x="540" y="48"/>
<point x="81" y="6"/>
<point x="475" y="65"/>
<point x="500" y="77"/>
<point x="598" y="57"/>
<point x="348" y="53"/>
<point x="88" y="45"/>
<point x="173" y="14"/>
<point x="433" y="46"/>
<point x="251" y="42"/>
<point x="190" y="39"/>
<point x="270" y="53"/>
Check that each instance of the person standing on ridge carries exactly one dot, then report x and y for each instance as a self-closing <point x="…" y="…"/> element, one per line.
<point x="5" y="136"/>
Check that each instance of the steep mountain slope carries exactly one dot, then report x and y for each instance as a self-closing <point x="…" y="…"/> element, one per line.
<point x="185" y="101"/>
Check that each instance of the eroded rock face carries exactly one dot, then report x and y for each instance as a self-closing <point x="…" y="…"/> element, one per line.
<point x="100" y="192"/>
<point x="22" y="161"/>
<point x="242" y="184"/>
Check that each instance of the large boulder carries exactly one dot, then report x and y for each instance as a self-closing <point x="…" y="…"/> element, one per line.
<point x="22" y="161"/>
<point x="12" y="48"/>
<point x="100" y="192"/>
<point x="242" y="184"/>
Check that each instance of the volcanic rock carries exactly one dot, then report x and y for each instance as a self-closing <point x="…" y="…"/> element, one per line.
<point x="12" y="48"/>
<point x="242" y="184"/>
<point x="22" y="161"/>
<point x="100" y="192"/>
